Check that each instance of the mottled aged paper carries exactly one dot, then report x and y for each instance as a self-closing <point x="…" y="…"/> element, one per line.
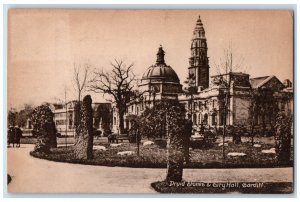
<point x="229" y="69"/>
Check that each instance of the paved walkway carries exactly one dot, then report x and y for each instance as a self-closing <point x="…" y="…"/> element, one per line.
<point x="32" y="175"/>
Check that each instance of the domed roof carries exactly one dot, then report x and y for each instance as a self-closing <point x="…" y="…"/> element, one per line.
<point x="160" y="70"/>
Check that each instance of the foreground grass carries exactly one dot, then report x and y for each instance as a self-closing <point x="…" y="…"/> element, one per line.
<point x="224" y="187"/>
<point x="153" y="156"/>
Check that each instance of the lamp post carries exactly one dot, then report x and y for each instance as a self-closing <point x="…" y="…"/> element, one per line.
<point x="224" y="121"/>
<point x="191" y="89"/>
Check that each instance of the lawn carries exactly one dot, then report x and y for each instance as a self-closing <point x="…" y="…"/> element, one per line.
<point x="153" y="156"/>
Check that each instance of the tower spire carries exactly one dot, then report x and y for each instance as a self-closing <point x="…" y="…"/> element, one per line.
<point x="199" y="61"/>
<point x="160" y="56"/>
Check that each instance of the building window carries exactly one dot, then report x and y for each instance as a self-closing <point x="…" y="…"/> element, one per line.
<point x="213" y="104"/>
<point x="205" y="119"/>
<point x="60" y="122"/>
<point x="29" y="125"/>
<point x="70" y="122"/>
<point x="213" y="119"/>
<point x="199" y="118"/>
<point x="194" y="119"/>
<point x="115" y="121"/>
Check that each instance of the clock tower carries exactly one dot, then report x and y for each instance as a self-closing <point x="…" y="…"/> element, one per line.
<point x="199" y="67"/>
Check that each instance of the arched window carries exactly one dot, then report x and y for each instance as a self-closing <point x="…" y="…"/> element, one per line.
<point x="194" y="119"/>
<point x="199" y="118"/>
<point x="205" y="119"/>
<point x="213" y="119"/>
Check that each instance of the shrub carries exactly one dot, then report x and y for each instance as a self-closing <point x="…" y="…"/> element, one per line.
<point x="283" y="128"/>
<point x="44" y="127"/>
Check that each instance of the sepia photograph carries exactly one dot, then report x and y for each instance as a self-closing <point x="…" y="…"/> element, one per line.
<point x="133" y="101"/>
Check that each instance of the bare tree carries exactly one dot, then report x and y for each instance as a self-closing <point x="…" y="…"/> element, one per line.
<point x="191" y="89"/>
<point x="80" y="79"/>
<point x="119" y="83"/>
<point x="224" y="68"/>
<point x="229" y="63"/>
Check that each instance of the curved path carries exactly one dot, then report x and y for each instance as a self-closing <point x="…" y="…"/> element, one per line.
<point x="32" y="175"/>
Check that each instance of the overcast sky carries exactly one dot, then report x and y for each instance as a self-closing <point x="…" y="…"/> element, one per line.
<point x="44" y="44"/>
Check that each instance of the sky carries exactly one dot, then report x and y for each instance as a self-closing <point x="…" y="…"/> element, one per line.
<point x="44" y="45"/>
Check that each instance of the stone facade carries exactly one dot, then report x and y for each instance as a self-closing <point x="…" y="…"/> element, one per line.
<point x="228" y="93"/>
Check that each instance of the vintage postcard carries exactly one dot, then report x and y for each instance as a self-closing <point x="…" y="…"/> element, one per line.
<point x="150" y="101"/>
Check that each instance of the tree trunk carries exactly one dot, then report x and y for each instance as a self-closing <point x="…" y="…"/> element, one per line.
<point x="76" y="120"/>
<point x="53" y="141"/>
<point x="252" y="134"/>
<point x="121" y="121"/>
<point x="188" y="129"/>
<point x="138" y="145"/>
<point x="263" y="125"/>
<point x="84" y="145"/>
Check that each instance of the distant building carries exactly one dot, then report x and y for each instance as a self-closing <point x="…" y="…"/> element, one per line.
<point x="64" y="116"/>
<point x="208" y="103"/>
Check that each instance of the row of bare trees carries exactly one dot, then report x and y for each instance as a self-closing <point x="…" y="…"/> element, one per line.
<point x="118" y="83"/>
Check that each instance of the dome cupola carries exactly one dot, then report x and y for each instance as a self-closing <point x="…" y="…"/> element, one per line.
<point x="161" y="71"/>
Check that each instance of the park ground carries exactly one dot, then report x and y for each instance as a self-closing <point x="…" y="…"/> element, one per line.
<point x="33" y="175"/>
<point x="155" y="156"/>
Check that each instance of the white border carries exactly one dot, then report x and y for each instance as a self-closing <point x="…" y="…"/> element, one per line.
<point x="146" y="4"/>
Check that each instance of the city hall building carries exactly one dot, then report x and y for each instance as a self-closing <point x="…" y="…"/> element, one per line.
<point x="212" y="93"/>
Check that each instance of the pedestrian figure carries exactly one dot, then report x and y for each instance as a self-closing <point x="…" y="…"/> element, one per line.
<point x="18" y="136"/>
<point x="111" y="137"/>
<point x="10" y="135"/>
<point x="14" y="136"/>
<point x="188" y="129"/>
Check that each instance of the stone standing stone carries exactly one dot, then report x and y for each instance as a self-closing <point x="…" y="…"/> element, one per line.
<point x="84" y="145"/>
<point x="283" y="138"/>
<point x="175" y="144"/>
